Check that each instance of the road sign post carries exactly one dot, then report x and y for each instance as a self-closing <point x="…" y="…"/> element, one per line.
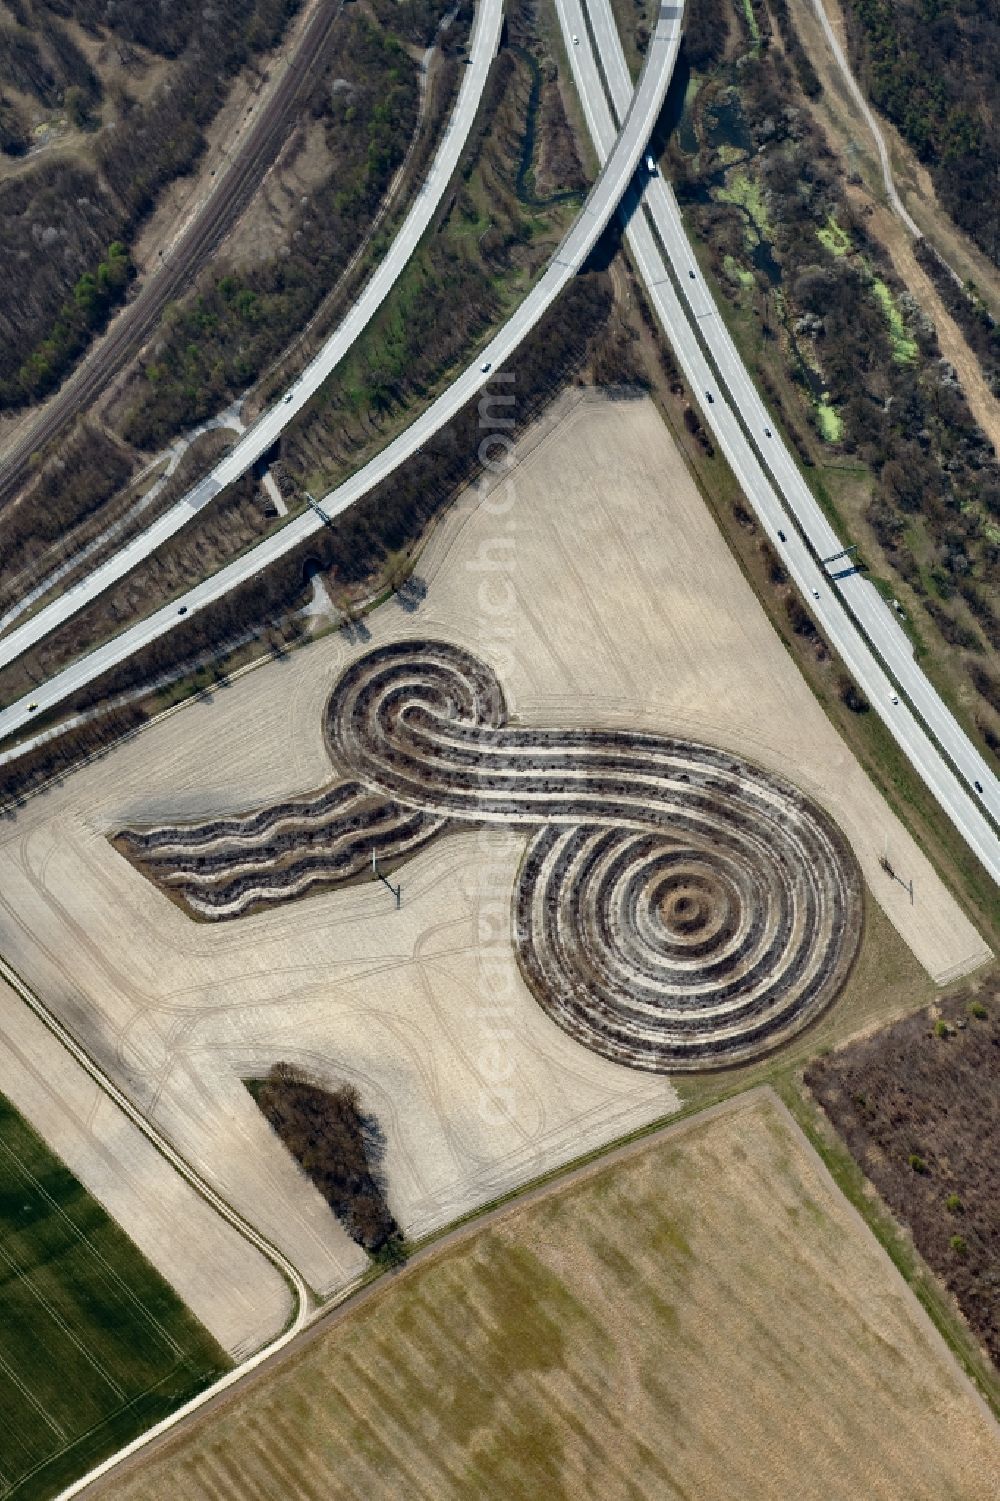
<point x="397" y="891"/>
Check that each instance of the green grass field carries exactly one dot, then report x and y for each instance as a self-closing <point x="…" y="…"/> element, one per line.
<point x="94" y="1345"/>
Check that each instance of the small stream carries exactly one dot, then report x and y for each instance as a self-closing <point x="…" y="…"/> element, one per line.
<point x="726" y="127"/>
<point x="524" y="180"/>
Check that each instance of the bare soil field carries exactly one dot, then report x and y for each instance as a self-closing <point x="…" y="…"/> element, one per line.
<point x="593" y="582"/>
<point x="705" y="1317"/>
<point x="239" y="1297"/>
<point x="94" y="1346"/>
<point x="919" y="1107"/>
<point x="675" y="908"/>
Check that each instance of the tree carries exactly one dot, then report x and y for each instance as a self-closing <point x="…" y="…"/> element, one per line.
<point x="76" y="107"/>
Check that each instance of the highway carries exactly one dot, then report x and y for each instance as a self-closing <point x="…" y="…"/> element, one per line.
<point x="272" y="423"/>
<point x="621" y="154"/>
<point x="601" y="204"/>
<point x="702" y="319"/>
<point x="867" y="606"/>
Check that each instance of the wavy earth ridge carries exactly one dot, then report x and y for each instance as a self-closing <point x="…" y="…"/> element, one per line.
<point x="676" y="908"/>
<point x="231" y="866"/>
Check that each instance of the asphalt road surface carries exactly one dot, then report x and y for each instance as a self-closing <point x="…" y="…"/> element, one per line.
<point x="272" y="423"/>
<point x="601" y="203"/>
<point x="683" y="329"/>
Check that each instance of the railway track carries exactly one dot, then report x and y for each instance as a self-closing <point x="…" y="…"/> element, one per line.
<point x="231" y="196"/>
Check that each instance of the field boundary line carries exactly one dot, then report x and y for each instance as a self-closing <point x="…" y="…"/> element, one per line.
<point x="26" y="1392"/>
<point x="919" y="1312"/>
<point x="290" y="1273"/>
<point x="439" y="1242"/>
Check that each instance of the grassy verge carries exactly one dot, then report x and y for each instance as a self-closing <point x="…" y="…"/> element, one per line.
<point x="633" y="20"/>
<point x="867" y="737"/>
<point x="442" y="88"/>
<point x="916" y="492"/>
<point x="894" y="1240"/>
<point x="515" y="194"/>
<point x="123" y="518"/>
<point x="231" y="523"/>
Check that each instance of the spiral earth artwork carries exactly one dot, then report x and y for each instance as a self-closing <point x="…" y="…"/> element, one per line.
<point x="676" y="908"/>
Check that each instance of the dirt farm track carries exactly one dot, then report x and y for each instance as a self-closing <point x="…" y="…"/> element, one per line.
<point x="592" y="583"/>
<point x="700" y="1315"/>
<point x="675" y="909"/>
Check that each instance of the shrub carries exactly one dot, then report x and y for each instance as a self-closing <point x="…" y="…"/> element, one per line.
<point x="799" y="618"/>
<point x="391" y="1253"/>
<point x="953" y="1204"/>
<point x="76" y="107"/>
<point x="958" y="1245"/>
<point x="942" y="1029"/>
<point x="989" y="734"/>
<point x="917" y="1163"/>
<point x="340" y="1149"/>
<point x="978" y="1010"/>
<point x="775" y="567"/>
<point x="852" y="697"/>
